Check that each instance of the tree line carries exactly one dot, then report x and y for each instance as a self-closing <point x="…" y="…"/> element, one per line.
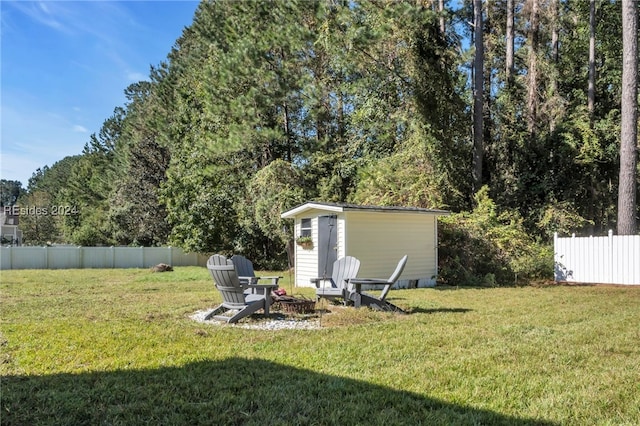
<point x="508" y="112"/>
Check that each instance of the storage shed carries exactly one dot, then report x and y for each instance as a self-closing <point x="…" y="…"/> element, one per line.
<point x="378" y="236"/>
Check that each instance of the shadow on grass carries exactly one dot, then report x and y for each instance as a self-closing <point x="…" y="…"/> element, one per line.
<point x="234" y="391"/>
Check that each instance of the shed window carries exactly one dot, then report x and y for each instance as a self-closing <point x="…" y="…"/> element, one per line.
<point x="305" y="228"/>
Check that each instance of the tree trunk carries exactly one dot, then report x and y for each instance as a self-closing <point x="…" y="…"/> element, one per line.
<point x="487" y="108"/>
<point x="591" y="95"/>
<point x="287" y="131"/>
<point x="554" y="31"/>
<point x="443" y="28"/>
<point x="510" y="39"/>
<point x="532" y="93"/>
<point x="629" y="121"/>
<point x="478" y="143"/>
<point x="554" y="57"/>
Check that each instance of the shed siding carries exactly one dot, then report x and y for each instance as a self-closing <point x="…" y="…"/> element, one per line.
<point x="306" y="260"/>
<point x="341" y="242"/>
<point x="379" y="240"/>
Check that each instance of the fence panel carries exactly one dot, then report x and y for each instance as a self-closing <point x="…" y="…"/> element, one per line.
<point x="132" y="257"/>
<point x="57" y="257"/>
<point x="180" y="258"/>
<point x="154" y="255"/>
<point x="69" y="257"/>
<point x="626" y="259"/>
<point x="32" y="258"/>
<point x="97" y="257"/>
<point x="608" y="260"/>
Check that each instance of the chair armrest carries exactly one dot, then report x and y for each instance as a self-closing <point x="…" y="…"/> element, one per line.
<point x="317" y="281"/>
<point x="358" y="282"/>
<point x="369" y="281"/>
<point x="274" y="279"/>
<point x="246" y="282"/>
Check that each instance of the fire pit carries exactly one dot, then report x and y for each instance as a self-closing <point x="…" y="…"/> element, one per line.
<point x="295" y="305"/>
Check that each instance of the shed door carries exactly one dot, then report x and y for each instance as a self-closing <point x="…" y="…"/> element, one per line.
<point x="327" y="244"/>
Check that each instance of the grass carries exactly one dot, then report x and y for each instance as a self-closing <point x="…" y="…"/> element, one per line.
<point x="118" y="347"/>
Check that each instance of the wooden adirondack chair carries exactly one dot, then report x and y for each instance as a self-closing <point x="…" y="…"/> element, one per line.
<point x="379" y="303"/>
<point x="235" y="303"/>
<point x="244" y="268"/>
<point x="337" y="286"/>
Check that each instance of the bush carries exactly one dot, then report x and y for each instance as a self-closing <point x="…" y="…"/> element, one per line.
<point x="490" y="248"/>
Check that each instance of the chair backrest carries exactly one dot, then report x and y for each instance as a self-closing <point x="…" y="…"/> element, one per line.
<point x="343" y="269"/>
<point x="401" y="264"/>
<point x="226" y="281"/>
<point x="244" y="267"/>
<point x="394" y="277"/>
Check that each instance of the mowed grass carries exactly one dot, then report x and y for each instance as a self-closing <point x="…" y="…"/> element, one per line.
<point x="118" y="347"/>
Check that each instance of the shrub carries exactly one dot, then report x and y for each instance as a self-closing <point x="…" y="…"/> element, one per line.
<point x="486" y="247"/>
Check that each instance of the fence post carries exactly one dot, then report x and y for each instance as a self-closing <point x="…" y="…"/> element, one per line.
<point x="610" y="255"/>
<point x="556" y="271"/>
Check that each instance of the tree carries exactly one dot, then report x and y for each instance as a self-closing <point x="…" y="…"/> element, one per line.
<point x="90" y="182"/>
<point x="555" y="56"/>
<point x="478" y="95"/>
<point x="54" y="179"/>
<point x="532" y="71"/>
<point x="629" y="120"/>
<point x="40" y="224"/>
<point x="10" y="191"/>
<point x="408" y="177"/>
<point x="272" y="190"/>
<point x="443" y="22"/>
<point x="592" y="58"/>
<point x="46" y="192"/>
<point x="136" y="215"/>
<point x="510" y="36"/>
<point x="586" y="146"/>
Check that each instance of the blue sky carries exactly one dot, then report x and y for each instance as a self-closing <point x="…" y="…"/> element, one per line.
<point x="65" y="65"/>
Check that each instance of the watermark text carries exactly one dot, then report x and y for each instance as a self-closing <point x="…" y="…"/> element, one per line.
<point x="55" y="210"/>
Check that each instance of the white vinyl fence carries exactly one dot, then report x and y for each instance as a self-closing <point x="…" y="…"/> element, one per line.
<point x="614" y="259"/>
<point x="67" y="257"/>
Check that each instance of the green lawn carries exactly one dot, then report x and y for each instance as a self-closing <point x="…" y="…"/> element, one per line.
<point x="117" y="347"/>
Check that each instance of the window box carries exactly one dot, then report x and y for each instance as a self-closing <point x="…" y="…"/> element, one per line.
<point x="305" y="242"/>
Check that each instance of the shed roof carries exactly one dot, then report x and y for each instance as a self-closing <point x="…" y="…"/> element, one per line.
<point x="342" y="207"/>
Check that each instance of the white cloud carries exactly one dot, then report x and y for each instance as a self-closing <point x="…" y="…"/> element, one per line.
<point x="136" y="76"/>
<point x="40" y="12"/>
<point x="80" y="129"/>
